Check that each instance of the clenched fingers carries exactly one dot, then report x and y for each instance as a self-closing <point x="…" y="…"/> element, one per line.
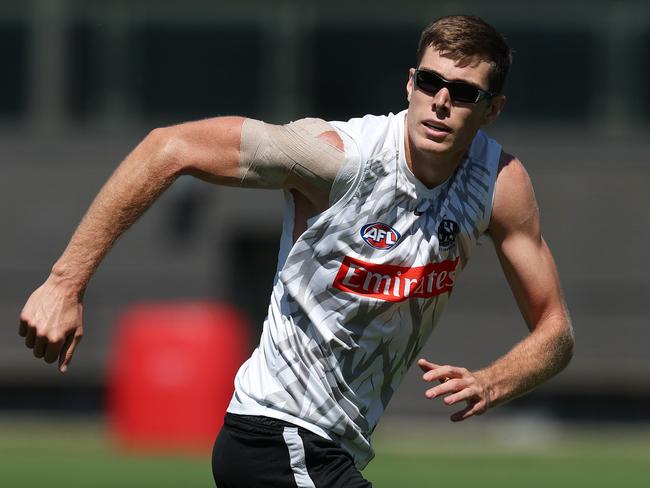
<point x="30" y="338"/>
<point x="52" y="351"/>
<point x="23" y="328"/>
<point x="39" y="346"/>
<point x="51" y="322"/>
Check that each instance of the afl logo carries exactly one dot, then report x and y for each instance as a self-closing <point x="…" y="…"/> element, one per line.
<point x="447" y="231"/>
<point x="380" y="236"/>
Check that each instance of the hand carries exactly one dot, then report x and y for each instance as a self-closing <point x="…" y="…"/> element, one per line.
<point x="51" y="323"/>
<point x="458" y="384"/>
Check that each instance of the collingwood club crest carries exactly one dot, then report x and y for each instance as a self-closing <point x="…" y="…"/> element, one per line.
<point x="447" y="231"/>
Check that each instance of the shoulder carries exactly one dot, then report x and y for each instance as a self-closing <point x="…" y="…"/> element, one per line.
<point x="511" y="174"/>
<point x="514" y="206"/>
<point x="369" y="134"/>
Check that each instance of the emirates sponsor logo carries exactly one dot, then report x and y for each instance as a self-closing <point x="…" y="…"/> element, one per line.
<point x="395" y="283"/>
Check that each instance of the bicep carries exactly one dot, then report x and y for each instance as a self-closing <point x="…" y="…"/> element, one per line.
<point x="532" y="275"/>
<point x="207" y="149"/>
<point x="525" y="257"/>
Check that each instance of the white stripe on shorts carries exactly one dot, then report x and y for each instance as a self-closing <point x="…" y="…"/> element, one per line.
<point x="297" y="457"/>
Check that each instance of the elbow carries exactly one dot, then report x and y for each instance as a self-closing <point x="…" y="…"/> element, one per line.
<point x="571" y="346"/>
<point x="165" y="149"/>
<point x="567" y="342"/>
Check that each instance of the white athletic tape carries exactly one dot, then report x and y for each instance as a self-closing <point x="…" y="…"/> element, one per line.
<point x="270" y="153"/>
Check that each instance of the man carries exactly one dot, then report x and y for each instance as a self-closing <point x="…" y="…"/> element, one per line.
<point x="383" y="214"/>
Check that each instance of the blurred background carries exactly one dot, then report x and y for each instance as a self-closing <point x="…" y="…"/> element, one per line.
<point x="83" y="81"/>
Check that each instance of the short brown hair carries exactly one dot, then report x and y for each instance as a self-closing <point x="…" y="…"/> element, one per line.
<point x="464" y="37"/>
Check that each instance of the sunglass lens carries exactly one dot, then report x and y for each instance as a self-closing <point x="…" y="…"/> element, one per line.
<point x="429" y="82"/>
<point x="462" y="92"/>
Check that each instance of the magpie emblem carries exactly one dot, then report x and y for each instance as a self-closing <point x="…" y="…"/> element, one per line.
<point x="447" y="231"/>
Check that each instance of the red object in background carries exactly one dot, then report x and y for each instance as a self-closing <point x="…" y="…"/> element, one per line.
<point x="171" y="371"/>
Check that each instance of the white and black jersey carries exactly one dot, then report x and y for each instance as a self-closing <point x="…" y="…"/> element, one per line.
<point x="359" y="292"/>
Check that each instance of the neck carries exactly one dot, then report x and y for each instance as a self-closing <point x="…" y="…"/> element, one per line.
<point x="432" y="169"/>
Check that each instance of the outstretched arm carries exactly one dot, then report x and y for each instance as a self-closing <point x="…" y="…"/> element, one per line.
<point x="532" y="275"/>
<point x="151" y="167"/>
<point x="51" y="320"/>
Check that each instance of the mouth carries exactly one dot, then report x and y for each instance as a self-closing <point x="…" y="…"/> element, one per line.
<point x="436" y="126"/>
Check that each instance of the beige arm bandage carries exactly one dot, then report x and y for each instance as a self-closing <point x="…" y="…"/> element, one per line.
<point x="270" y="153"/>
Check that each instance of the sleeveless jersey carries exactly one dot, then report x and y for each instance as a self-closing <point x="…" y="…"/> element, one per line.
<point x="359" y="292"/>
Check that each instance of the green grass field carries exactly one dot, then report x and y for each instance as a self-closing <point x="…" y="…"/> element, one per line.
<point x="74" y="453"/>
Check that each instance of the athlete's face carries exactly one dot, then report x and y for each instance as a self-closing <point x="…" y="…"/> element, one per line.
<point x="438" y="126"/>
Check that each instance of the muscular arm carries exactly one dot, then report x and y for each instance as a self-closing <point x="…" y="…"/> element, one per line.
<point x="531" y="272"/>
<point x="532" y="275"/>
<point x="145" y="173"/>
<point x="209" y="149"/>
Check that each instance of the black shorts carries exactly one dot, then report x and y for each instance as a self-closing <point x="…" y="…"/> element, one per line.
<point x="253" y="451"/>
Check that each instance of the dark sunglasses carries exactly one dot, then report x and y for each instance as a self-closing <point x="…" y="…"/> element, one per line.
<point x="459" y="91"/>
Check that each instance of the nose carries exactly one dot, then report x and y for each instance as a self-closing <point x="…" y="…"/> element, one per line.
<point x="442" y="101"/>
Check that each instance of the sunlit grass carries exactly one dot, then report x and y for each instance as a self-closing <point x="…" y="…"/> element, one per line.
<point x="77" y="453"/>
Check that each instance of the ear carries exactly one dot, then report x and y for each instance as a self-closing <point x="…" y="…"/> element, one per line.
<point x="409" y="84"/>
<point x="494" y="108"/>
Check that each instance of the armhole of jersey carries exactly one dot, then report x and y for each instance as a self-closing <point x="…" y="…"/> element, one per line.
<point x="348" y="177"/>
<point x="493" y="159"/>
<point x="286" y="238"/>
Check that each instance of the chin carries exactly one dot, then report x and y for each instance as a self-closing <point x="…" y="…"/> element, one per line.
<point x="430" y="146"/>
